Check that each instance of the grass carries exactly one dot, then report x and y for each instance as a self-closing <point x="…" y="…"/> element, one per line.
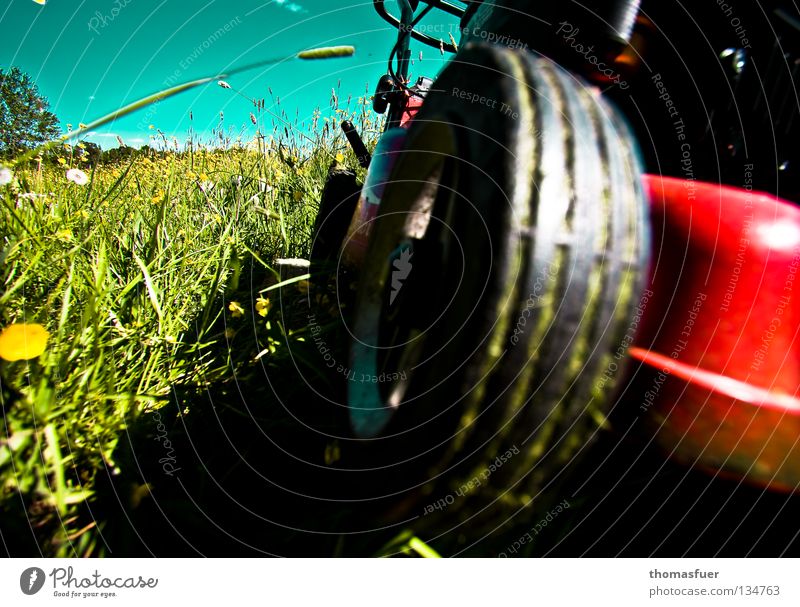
<point x="139" y="277"/>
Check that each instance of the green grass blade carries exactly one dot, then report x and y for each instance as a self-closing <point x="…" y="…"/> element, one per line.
<point x="152" y="293"/>
<point x="58" y="468"/>
<point x="286" y="282"/>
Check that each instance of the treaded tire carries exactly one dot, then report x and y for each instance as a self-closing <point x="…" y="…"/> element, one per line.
<point x="518" y="194"/>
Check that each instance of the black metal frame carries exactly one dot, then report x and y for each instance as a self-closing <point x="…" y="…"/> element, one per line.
<point x="447" y="7"/>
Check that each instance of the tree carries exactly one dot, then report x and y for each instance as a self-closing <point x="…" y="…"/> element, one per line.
<point x="92" y="152"/>
<point x="120" y="154"/>
<point x="25" y="118"/>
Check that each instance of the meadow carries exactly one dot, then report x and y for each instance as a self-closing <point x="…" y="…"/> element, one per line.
<point x="154" y="277"/>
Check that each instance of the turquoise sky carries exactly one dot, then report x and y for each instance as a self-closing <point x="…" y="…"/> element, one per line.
<point x="90" y="57"/>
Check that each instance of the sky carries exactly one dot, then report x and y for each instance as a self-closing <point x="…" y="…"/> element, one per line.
<point x="90" y="57"/>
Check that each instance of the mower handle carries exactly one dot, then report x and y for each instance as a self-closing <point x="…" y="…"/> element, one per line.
<point x="451" y="9"/>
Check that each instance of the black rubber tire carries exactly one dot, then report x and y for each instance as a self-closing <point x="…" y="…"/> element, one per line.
<point x="519" y="191"/>
<point x="337" y="204"/>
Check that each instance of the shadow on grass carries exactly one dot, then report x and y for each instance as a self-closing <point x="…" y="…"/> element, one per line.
<point x="263" y="463"/>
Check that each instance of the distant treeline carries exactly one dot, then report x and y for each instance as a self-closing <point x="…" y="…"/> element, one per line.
<point x="93" y="154"/>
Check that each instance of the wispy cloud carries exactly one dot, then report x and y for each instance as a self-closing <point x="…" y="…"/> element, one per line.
<point x="292" y="7"/>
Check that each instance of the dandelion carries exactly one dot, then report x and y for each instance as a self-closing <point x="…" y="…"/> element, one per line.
<point x="236" y="310"/>
<point x="62" y="162"/>
<point x="263" y="306"/>
<point x="77" y="176"/>
<point x="6" y="176"/>
<point x="223" y="84"/>
<point x="339" y="157"/>
<point x="298" y="195"/>
<point x="159" y="197"/>
<point x="23" y="341"/>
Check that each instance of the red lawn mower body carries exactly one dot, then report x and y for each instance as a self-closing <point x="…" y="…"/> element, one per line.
<point x="718" y="340"/>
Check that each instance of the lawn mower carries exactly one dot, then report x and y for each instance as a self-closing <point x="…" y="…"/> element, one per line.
<point x="585" y="219"/>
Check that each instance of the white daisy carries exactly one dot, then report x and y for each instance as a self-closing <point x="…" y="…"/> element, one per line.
<point x="77" y="176"/>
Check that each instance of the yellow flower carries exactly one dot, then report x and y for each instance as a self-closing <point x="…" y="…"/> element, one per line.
<point x="23" y="341"/>
<point x="298" y="195"/>
<point x="202" y="177"/>
<point x="332" y="453"/>
<point x="339" y="157"/>
<point x="236" y="309"/>
<point x="62" y="161"/>
<point x="158" y="197"/>
<point x="263" y="305"/>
